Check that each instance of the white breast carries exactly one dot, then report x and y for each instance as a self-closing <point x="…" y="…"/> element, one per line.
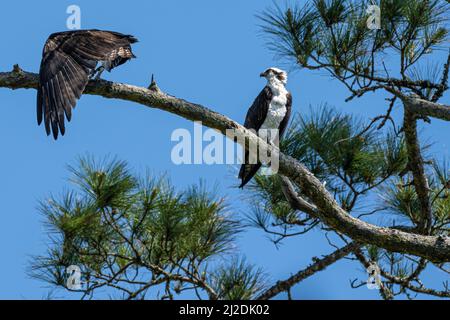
<point x="277" y="109"/>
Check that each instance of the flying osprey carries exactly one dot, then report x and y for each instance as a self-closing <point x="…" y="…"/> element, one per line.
<point x="270" y="110"/>
<point x="69" y="61"/>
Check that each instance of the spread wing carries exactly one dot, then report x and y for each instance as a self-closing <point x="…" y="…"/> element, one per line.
<point x="67" y="62"/>
<point x="254" y="120"/>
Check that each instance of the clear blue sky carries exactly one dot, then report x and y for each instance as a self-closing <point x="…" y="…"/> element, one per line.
<point x="209" y="52"/>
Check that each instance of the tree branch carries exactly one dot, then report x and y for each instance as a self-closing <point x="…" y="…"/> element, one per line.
<point x="404" y="282"/>
<point x="417" y="167"/>
<point x="436" y="249"/>
<point x="422" y="107"/>
<point x="444" y="81"/>
<point x="294" y="199"/>
<point x="426" y="108"/>
<point x="318" y="265"/>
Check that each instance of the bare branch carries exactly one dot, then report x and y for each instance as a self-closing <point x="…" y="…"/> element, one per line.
<point x="317" y="266"/>
<point x="294" y="199"/>
<point x="417" y="168"/>
<point x="426" y="108"/>
<point x="436" y="249"/>
<point x="422" y="107"/>
<point x="444" y="81"/>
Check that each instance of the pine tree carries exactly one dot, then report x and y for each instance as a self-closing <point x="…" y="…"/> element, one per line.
<point x="142" y="238"/>
<point x="379" y="168"/>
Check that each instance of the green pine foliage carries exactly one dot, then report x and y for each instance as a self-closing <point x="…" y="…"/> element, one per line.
<point x="332" y="35"/>
<point x="365" y="166"/>
<point x="401" y="199"/>
<point x="131" y="234"/>
<point x="141" y="237"/>
<point x="239" y="281"/>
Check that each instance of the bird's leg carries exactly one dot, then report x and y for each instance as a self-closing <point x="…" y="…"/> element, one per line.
<point x="96" y="73"/>
<point x="99" y="72"/>
<point x="92" y="73"/>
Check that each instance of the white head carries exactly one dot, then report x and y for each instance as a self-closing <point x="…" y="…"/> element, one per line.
<point x="275" y="75"/>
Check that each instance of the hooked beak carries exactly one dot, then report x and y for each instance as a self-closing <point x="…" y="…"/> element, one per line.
<point x="262" y="75"/>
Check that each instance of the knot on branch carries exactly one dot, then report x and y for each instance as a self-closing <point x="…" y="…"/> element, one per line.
<point x="153" y="86"/>
<point x="414" y="96"/>
<point x="17" y="69"/>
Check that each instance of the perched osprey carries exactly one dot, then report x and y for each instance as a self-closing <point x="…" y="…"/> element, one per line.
<point x="69" y="61"/>
<point x="270" y="110"/>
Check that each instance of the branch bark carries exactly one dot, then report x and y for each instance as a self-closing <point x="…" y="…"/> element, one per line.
<point x="417" y="167"/>
<point x="294" y="199"/>
<point x="422" y="107"/>
<point x="427" y="108"/>
<point x="436" y="249"/>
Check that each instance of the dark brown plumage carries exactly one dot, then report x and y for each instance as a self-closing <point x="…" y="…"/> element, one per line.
<point x="255" y="118"/>
<point x="69" y="60"/>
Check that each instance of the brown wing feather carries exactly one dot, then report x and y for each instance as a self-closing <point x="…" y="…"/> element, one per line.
<point x="247" y="172"/>
<point x="254" y="120"/>
<point x="256" y="114"/>
<point x="68" y="60"/>
<point x="284" y="123"/>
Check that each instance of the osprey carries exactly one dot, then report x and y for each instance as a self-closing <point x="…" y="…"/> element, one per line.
<point x="69" y="61"/>
<point x="270" y="110"/>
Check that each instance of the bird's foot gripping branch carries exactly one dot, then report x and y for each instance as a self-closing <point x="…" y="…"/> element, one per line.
<point x="322" y="204"/>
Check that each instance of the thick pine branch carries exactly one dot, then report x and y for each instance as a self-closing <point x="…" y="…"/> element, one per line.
<point x="417" y="167"/>
<point x="422" y="107"/>
<point x="429" y="247"/>
<point x="430" y="109"/>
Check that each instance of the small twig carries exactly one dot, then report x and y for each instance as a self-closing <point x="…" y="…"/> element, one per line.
<point x="444" y="81"/>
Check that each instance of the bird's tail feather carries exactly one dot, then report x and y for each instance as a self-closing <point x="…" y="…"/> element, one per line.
<point x="247" y="172"/>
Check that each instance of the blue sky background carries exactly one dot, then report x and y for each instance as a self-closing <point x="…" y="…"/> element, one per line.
<point x="210" y="52"/>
